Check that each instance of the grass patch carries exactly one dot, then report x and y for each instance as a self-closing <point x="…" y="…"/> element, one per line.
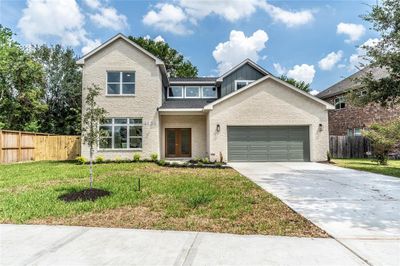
<point x="392" y="169"/>
<point x="214" y="200"/>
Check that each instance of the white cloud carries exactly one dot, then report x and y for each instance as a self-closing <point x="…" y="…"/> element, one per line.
<point x="108" y="17"/>
<point x="302" y="72"/>
<point x="289" y="18"/>
<point x="329" y="61"/>
<point x="168" y="18"/>
<point x="92" y="3"/>
<point x="176" y="17"/>
<point x="159" y="38"/>
<point x="358" y="59"/>
<point x="314" y="92"/>
<point x="238" y="48"/>
<point x="353" y="31"/>
<point x="90" y="45"/>
<point x="279" y="69"/>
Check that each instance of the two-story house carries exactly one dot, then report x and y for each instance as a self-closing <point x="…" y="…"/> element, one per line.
<point x="347" y="119"/>
<point x="246" y="114"/>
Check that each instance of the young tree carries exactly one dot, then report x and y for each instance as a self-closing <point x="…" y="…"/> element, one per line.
<point x="21" y="86"/>
<point x="383" y="139"/>
<point x="92" y="116"/>
<point x="63" y="83"/>
<point x="175" y="63"/>
<point x="385" y="54"/>
<point x="298" y="84"/>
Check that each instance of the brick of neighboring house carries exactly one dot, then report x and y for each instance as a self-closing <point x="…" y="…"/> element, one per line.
<point x="351" y="117"/>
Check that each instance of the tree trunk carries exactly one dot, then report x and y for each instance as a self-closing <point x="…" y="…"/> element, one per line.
<point x="91" y="167"/>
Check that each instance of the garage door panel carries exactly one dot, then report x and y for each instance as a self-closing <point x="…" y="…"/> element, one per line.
<point x="268" y="143"/>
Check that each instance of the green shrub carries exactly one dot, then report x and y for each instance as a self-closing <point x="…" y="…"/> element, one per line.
<point x="198" y="200"/>
<point x="118" y="159"/>
<point x="162" y="162"/>
<point x="81" y="159"/>
<point x="99" y="159"/>
<point x="154" y="157"/>
<point x="136" y="157"/>
<point x="205" y="160"/>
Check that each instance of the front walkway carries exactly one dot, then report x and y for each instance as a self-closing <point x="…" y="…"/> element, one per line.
<point x="64" y="245"/>
<point x="359" y="209"/>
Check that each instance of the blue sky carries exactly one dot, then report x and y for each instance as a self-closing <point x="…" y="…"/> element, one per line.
<point x="314" y="41"/>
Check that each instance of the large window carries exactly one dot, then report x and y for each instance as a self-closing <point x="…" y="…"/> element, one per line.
<point x="120" y="83"/>
<point x="340" y="102"/>
<point x="242" y="83"/>
<point x="122" y="133"/>
<point x="192" y="92"/>
<point x="175" y="92"/>
<point x="209" y="92"/>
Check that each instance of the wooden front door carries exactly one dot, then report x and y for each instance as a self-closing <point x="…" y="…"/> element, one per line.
<point x="178" y="142"/>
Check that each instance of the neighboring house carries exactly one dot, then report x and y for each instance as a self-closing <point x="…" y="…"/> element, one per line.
<point x="244" y="115"/>
<point x="348" y="119"/>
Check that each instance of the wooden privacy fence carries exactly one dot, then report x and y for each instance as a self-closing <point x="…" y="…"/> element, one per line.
<point x="18" y="146"/>
<point x="349" y="147"/>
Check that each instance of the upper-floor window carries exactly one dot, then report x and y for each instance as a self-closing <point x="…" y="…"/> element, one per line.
<point x="242" y="83"/>
<point x="122" y="133"/>
<point x="340" y="102"/>
<point x="192" y="92"/>
<point x="354" y="131"/>
<point x="120" y="83"/>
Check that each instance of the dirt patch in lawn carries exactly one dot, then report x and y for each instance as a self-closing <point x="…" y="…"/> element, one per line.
<point x="84" y="195"/>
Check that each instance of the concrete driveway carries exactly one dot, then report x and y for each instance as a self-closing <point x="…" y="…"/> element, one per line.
<point x="361" y="210"/>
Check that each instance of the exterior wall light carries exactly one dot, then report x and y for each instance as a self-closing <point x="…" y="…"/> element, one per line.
<point x="320" y="127"/>
<point x="218" y="128"/>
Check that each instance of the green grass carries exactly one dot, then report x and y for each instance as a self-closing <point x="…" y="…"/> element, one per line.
<point x="217" y="200"/>
<point x="392" y="169"/>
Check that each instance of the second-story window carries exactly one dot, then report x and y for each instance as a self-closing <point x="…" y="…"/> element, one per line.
<point x="175" y="92"/>
<point x="209" y="92"/>
<point x="120" y="83"/>
<point x="192" y="92"/>
<point x="340" y="102"/>
<point x="242" y="83"/>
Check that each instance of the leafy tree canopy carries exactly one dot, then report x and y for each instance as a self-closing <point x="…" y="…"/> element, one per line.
<point x="299" y="84"/>
<point x="175" y="62"/>
<point x="385" y="19"/>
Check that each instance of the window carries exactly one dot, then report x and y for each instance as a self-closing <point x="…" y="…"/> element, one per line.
<point x="340" y="102"/>
<point x="354" y="132"/>
<point x="209" y="92"/>
<point x="192" y="92"/>
<point x="122" y="133"/>
<point x="349" y="132"/>
<point x="357" y="132"/>
<point x="175" y="92"/>
<point x="120" y="83"/>
<point x="242" y="83"/>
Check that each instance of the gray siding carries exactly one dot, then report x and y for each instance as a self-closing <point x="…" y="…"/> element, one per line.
<point x="246" y="72"/>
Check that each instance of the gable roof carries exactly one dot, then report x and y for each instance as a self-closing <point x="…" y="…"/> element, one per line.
<point x="81" y="60"/>
<point x="349" y="82"/>
<point x="246" y="61"/>
<point x="211" y="105"/>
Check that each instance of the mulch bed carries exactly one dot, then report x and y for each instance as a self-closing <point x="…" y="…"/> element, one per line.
<point x="84" y="195"/>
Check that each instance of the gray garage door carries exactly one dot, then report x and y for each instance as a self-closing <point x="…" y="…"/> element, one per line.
<point x="268" y="144"/>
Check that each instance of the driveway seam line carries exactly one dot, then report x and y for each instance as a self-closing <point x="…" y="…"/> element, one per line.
<point x="189" y="255"/>
<point x="352" y="251"/>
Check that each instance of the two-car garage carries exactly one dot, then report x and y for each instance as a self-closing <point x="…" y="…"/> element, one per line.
<point x="268" y="143"/>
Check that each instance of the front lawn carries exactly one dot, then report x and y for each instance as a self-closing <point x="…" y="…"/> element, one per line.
<point x="216" y="200"/>
<point x="393" y="167"/>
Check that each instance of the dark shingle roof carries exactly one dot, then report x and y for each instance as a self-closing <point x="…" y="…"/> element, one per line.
<point x="349" y="82"/>
<point x="194" y="79"/>
<point x="186" y="103"/>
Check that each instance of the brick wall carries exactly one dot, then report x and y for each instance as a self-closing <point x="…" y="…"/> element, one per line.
<point x="358" y="117"/>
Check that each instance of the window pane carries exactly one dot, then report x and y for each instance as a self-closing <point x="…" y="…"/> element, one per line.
<point x="175" y="91"/>
<point x="106" y="143"/>
<point x="357" y="132"/>
<point x="107" y="130"/>
<point x="240" y="84"/>
<point x="135" y="131"/>
<point x="135" y="121"/>
<point x="113" y="77"/>
<point x="120" y="137"/>
<point x="193" y="92"/>
<point x="209" y="92"/>
<point x="128" y="88"/>
<point x="120" y="120"/>
<point x="135" y="143"/>
<point x="128" y="77"/>
<point x="112" y="88"/>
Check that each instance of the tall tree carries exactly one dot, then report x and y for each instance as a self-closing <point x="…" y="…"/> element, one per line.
<point x="21" y="86"/>
<point x="63" y="81"/>
<point x="298" y="84"/>
<point x="385" y="19"/>
<point x="175" y="63"/>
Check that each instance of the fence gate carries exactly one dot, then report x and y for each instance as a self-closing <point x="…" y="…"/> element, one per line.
<point x="349" y="146"/>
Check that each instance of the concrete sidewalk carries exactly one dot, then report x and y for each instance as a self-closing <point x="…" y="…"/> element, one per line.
<point x="65" y="245"/>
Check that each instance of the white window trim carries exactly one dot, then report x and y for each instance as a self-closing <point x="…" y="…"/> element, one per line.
<point x="120" y="83"/>
<point x="128" y="136"/>
<point x="216" y="93"/>
<point x="188" y="97"/>
<point x="176" y="97"/>
<point x="247" y="81"/>
<point x="341" y="100"/>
